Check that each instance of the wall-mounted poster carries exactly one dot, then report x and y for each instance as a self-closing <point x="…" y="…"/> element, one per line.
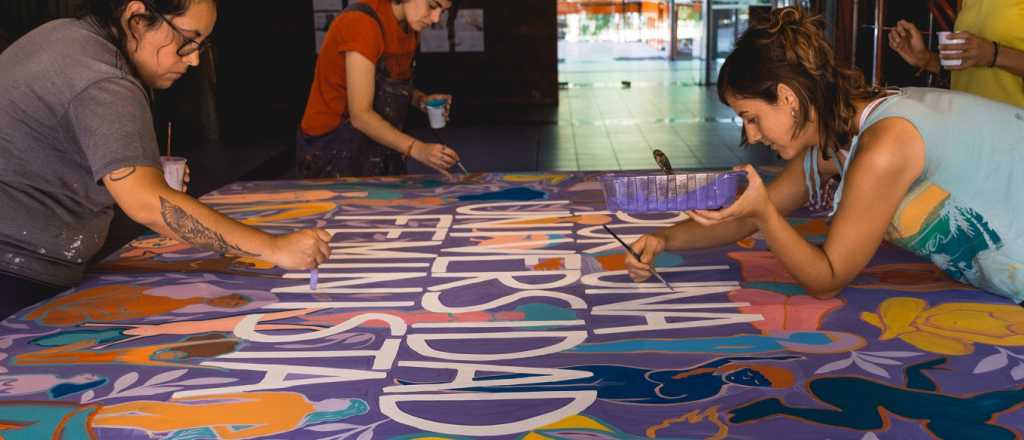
<point x="469" y="33"/>
<point x="434" y="39"/>
<point x="324" y="12"/>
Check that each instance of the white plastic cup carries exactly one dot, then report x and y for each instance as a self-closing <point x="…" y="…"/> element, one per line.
<point x="944" y="39"/>
<point x="435" y="111"/>
<point x="174" y="171"/>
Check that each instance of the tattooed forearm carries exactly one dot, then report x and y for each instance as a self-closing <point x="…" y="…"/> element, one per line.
<point x="192" y="231"/>
<point x="121" y="174"/>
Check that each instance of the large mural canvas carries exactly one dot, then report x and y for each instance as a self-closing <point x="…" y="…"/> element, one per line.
<point x="498" y="307"/>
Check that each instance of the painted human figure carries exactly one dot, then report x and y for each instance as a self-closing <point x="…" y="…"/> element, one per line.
<point x="663" y="387"/>
<point x="859" y="403"/>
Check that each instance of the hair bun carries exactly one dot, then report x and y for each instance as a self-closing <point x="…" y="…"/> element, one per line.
<point x="786" y="17"/>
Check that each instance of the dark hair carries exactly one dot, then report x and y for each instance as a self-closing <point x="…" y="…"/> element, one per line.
<point x="107" y="14"/>
<point x="452" y="11"/>
<point x="790" y="48"/>
<point x="4" y="40"/>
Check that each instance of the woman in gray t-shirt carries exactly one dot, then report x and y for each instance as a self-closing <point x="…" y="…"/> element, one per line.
<point x="76" y="137"/>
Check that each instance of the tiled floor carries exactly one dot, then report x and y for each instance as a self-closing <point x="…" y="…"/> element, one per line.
<point x="601" y="124"/>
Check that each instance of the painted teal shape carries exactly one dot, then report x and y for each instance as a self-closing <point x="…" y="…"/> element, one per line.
<point x="71" y="337"/>
<point x="664" y="259"/>
<point x="382" y="195"/>
<point x="45" y="421"/>
<point x="356" y="407"/>
<point x="193" y="434"/>
<point x="516" y="194"/>
<point x="783" y="288"/>
<point x="668" y="259"/>
<point x="856" y="403"/>
<point x="545" y="312"/>
<point x="738" y="344"/>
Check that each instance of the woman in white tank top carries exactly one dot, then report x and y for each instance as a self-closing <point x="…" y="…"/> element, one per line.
<point x="784" y="82"/>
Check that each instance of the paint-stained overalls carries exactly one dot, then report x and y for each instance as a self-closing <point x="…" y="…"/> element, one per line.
<point x="347" y="152"/>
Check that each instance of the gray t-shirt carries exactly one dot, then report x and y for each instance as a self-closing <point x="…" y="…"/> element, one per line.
<point x="71" y="112"/>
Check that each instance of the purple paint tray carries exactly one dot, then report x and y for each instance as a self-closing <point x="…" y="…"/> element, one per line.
<point x="679" y="192"/>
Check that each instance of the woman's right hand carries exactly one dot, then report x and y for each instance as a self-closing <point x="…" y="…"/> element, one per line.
<point x="301" y="250"/>
<point x="436" y="156"/>
<point x="907" y="41"/>
<point x="647" y="247"/>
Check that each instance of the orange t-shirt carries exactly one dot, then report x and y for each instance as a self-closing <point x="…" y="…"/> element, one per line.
<point x="327" y="107"/>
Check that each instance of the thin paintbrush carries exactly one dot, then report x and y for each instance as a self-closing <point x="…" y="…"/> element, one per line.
<point x="458" y="162"/>
<point x="637" y="256"/>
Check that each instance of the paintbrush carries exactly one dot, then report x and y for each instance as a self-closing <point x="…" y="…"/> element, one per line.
<point x="637" y="256"/>
<point x="458" y="162"/>
<point x="663" y="162"/>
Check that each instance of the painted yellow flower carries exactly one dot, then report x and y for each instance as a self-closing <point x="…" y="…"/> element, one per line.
<point x="950" y="328"/>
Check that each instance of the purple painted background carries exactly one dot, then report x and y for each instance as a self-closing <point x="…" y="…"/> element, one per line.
<point x="118" y="356"/>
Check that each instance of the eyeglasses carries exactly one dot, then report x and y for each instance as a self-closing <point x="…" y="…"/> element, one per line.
<point x="190" y="45"/>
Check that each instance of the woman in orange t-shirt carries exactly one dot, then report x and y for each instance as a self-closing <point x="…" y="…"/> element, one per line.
<point x="362" y="91"/>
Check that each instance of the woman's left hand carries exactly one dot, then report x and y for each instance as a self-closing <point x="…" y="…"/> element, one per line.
<point x="447" y="103"/>
<point x="753" y="203"/>
<point x="974" y="51"/>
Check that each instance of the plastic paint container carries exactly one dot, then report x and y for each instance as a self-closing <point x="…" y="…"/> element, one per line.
<point x="677" y="192"/>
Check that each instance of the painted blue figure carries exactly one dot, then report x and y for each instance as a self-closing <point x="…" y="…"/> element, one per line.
<point x="517" y="194"/>
<point x="859" y="403"/>
<point x="661" y="387"/>
<point x="796" y="341"/>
